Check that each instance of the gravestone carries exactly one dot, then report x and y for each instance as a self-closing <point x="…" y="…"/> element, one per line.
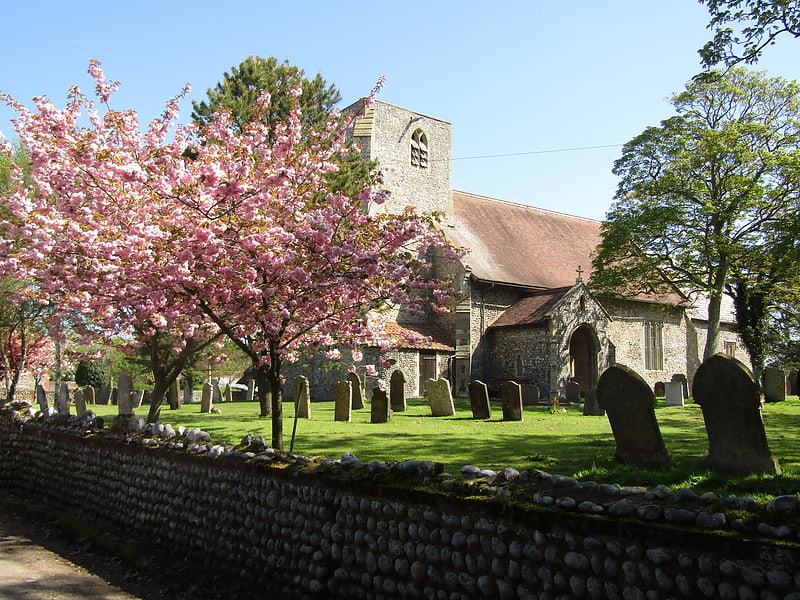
<point x="440" y="398"/>
<point x="41" y="398"/>
<point x="511" y="393"/>
<point x="104" y="394"/>
<point x="89" y="394"/>
<point x="207" y="399"/>
<point x="124" y="393"/>
<point x="80" y="402"/>
<point x="479" y="400"/>
<point x="357" y="390"/>
<point x="731" y="403"/>
<point x="774" y="380"/>
<point x="188" y="398"/>
<point x="251" y="390"/>
<point x="62" y="398"/>
<point x="591" y="408"/>
<point x="397" y="391"/>
<point x="680" y="377"/>
<point x="659" y="389"/>
<point x="228" y="394"/>
<point x="573" y="391"/>
<point x="673" y="394"/>
<point x="137" y="397"/>
<point x="530" y="394"/>
<point x="630" y="405"/>
<point x="112" y="396"/>
<point x="173" y="396"/>
<point x="379" y="409"/>
<point x="791" y="382"/>
<point x="343" y="401"/>
<point x="302" y="397"/>
<point x="216" y="392"/>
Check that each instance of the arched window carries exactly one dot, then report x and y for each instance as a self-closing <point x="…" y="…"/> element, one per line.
<point x="419" y="149"/>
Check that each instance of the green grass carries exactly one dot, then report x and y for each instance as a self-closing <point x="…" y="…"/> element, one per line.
<point x="563" y="443"/>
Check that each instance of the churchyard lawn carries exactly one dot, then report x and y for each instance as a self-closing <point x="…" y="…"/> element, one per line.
<point x="564" y="443"/>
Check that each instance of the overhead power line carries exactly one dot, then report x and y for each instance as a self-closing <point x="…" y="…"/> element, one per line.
<point x="538" y="152"/>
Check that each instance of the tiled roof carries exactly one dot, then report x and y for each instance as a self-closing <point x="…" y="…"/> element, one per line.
<point x="522" y="245"/>
<point x="436" y="339"/>
<point x="531" y="309"/>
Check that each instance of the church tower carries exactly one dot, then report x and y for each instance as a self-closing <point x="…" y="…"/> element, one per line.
<point x="413" y="153"/>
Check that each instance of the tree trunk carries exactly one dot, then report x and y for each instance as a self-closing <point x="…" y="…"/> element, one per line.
<point x="264" y="390"/>
<point x="712" y="334"/>
<point x="157" y="398"/>
<point x="277" y="409"/>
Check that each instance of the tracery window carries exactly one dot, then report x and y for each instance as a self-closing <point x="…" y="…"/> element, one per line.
<point x="653" y="346"/>
<point x="419" y="149"/>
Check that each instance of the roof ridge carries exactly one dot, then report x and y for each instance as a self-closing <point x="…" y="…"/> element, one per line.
<point x="526" y="206"/>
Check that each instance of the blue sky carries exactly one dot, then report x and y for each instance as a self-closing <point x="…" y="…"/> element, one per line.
<point x="519" y="78"/>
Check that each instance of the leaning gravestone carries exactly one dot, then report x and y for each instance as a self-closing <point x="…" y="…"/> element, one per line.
<point x="573" y="391"/>
<point x="731" y="403"/>
<point x="511" y="393"/>
<point x="41" y="398"/>
<point x="79" y="400"/>
<point x="397" y="391"/>
<point x="774" y="385"/>
<point x="440" y="398"/>
<point x="479" y="400"/>
<point x="207" y="399"/>
<point x="343" y="401"/>
<point x="379" y="409"/>
<point x="673" y="394"/>
<point x="125" y="393"/>
<point x="530" y="394"/>
<point x="357" y="390"/>
<point x="89" y="394"/>
<point x="630" y="405"/>
<point x="62" y="398"/>
<point x="302" y="397"/>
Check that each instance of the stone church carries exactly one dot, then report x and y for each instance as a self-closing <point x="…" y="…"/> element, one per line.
<point x="526" y="312"/>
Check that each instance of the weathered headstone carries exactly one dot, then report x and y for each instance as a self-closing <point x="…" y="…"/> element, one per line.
<point x="511" y="393"/>
<point x="302" y="397"/>
<point x="791" y="382"/>
<point x="440" y="398"/>
<point x="357" y="390"/>
<point x="673" y="394"/>
<point x="124" y="393"/>
<point x="379" y="409"/>
<point x="530" y="394"/>
<point x="207" y="399"/>
<point x="80" y="402"/>
<point x="173" y="396"/>
<point x="89" y="395"/>
<point x="104" y="394"/>
<point x="216" y="392"/>
<point x="731" y="403"/>
<point x="41" y="398"/>
<point x="137" y="397"/>
<point x="659" y="389"/>
<point x="573" y="391"/>
<point x="680" y="377"/>
<point x="397" y="391"/>
<point x="188" y="397"/>
<point x="343" y="401"/>
<point x="591" y="408"/>
<point x="251" y="390"/>
<point x="630" y="405"/>
<point x="479" y="400"/>
<point x="113" y="396"/>
<point x="228" y="393"/>
<point x="62" y="398"/>
<point x="774" y="384"/>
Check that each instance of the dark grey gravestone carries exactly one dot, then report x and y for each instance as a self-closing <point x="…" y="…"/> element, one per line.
<point x="530" y="394"/>
<point x="573" y="391"/>
<point x="397" y="391"/>
<point x="791" y="382"/>
<point x="511" y="393"/>
<point x="216" y="392"/>
<point x="41" y="397"/>
<point x="630" y="405"/>
<point x="357" y="390"/>
<point x="104" y="394"/>
<point x="479" y="400"/>
<point x="207" y="398"/>
<point x="89" y="395"/>
<point x="774" y="380"/>
<point x="731" y="403"/>
<point x="440" y="397"/>
<point x="680" y="377"/>
<point x="302" y="397"/>
<point x="379" y="407"/>
<point x="343" y="401"/>
<point x="188" y="397"/>
<point x="659" y="389"/>
<point x="80" y="402"/>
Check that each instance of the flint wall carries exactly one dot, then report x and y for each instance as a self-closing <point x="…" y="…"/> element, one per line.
<point x="354" y="532"/>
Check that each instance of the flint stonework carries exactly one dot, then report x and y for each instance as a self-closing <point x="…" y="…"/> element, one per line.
<point x="511" y="392"/>
<point x="630" y="405"/>
<point x="380" y="412"/>
<point x="343" y="401"/>
<point x="479" y="400"/>
<point x="440" y="398"/>
<point x="302" y="397"/>
<point x="397" y="391"/>
<point x="731" y="403"/>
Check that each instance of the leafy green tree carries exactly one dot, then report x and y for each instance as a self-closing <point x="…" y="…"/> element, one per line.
<point x="91" y="372"/>
<point x="708" y="201"/>
<point x="759" y="23"/>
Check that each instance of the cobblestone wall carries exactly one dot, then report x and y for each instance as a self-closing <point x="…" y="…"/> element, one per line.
<point x="351" y="530"/>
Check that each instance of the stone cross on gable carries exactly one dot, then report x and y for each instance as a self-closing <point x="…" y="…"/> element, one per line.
<point x="579" y="271"/>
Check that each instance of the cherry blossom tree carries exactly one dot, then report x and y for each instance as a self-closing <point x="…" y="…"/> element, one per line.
<point x="180" y="232"/>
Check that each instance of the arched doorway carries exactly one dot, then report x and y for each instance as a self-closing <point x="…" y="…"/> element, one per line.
<point x="583" y="347"/>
